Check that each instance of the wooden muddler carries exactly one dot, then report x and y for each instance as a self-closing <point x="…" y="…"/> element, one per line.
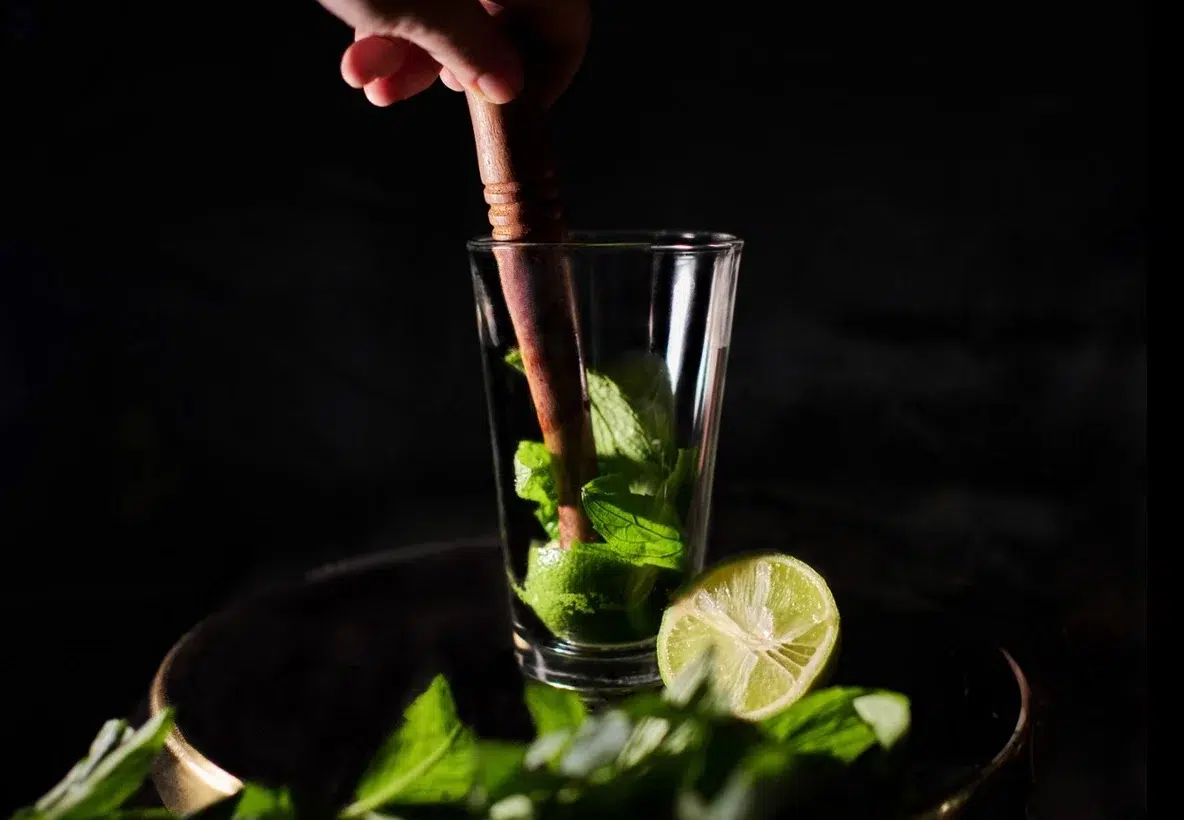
<point x="523" y="196"/>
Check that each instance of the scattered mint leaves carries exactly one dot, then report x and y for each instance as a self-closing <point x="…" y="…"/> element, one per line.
<point x="554" y="709"/>
<point x="432" y="758"/>
<point x="674" y="754"/>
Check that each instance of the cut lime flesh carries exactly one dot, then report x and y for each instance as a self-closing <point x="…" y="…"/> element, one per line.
<point x="771" y="623"/>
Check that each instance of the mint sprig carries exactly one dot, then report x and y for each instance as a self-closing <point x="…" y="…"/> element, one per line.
<point x="634" y="504"/>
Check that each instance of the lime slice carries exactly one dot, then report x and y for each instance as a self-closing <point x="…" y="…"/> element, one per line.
<point x="772" y="623"/>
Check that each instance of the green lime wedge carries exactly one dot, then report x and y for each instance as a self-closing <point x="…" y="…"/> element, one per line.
<point x="587" y="594"/>
<point x="771" y="623"/>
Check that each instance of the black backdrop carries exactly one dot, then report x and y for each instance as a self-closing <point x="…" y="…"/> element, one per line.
<point x="236" y="332"/>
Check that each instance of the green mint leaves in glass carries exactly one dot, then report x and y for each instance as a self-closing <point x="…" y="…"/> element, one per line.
<point x="654" y="314"/>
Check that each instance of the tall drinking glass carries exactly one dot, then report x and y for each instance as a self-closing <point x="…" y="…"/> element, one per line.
<point x="590" y="569"/>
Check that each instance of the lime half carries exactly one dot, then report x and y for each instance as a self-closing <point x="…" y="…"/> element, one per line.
<point x="771" y="621"/>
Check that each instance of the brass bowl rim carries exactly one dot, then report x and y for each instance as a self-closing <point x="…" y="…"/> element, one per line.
<point x="224" y="783"/>
<point x="950" y="806"/>
<point x="190" y="760"/>
<point x="196" y="764"/>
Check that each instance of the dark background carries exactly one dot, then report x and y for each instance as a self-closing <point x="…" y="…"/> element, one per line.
<point x="237" y="338"/>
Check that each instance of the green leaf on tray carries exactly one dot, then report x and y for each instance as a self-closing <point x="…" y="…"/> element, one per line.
<point x="500" y="766"/>
<point x="114" y="769"/>
<point x="841" y="722"/>
<point x="888" y="713"/>
<point x="553" y="709"/>
<point x="431" y="758"/>
<point x="264" y="804"/>
<point x="252" y="802"/>
<point x="595" y="744"/>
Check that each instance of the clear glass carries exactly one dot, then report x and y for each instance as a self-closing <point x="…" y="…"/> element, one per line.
<point x="653" y="317"/>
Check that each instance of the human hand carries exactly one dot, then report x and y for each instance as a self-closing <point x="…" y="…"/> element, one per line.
<point x="401" y="46"/>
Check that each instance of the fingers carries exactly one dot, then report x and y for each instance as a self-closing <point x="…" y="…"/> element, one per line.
<point x="388" y="70"/>
<point x="463" y="38"/>
<point x="400" y="40"/>
<point x="449" y="80"/>
<point x="416" y="74"/>
<point x="371" y="58"/>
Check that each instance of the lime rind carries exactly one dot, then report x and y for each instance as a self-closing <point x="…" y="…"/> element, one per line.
<point x="770" y="621"/>
<point x="587" y="594"/>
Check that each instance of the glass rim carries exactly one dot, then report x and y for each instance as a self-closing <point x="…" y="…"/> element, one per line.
<point x="645" y="240"/>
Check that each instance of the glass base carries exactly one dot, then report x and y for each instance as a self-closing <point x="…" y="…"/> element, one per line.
<point x="595" y="672"/>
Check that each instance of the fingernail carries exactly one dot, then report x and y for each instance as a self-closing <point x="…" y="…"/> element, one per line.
<point x="496" y="90"/>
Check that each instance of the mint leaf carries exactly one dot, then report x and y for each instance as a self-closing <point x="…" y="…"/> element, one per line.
<point x="644" y="381"/>
<point x="546" y="749"/>
<point x="514" y="807"/>
<point x="252" y="802"/>
<point x="683" y="474"/>
<point x="807" y="754"/>
<point x="114" y="769"/>
<point x="514" y="360"/>
<point x="617" y="428"/>
<point x="499" y="771"/>
<point x="832" y="722"/>
<point x="694" y="690"/>
<point x="431" y="758"/>
<point x="534" y="481"/>
<point x="595" y="744"/>
<point x="638" y="528"/>
<point x="553" y="709"/>
<point x="632" y="409"/>
<point x="888" y="713"/>
<point x="260" y="803"/>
